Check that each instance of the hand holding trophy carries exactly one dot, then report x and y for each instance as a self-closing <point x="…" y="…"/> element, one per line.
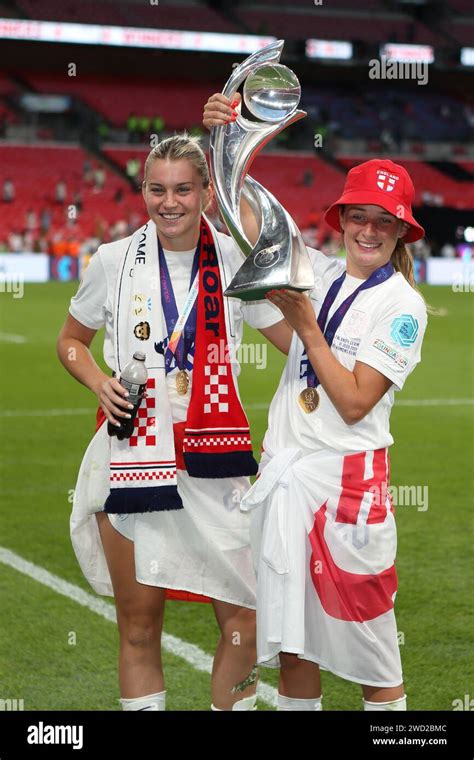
<point x="279" y="258"/>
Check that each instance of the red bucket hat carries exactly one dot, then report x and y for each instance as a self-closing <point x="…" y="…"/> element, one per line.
<point x="379" y="183"/>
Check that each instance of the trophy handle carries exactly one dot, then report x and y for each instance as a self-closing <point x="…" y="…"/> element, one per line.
<point x="231" y="150"/>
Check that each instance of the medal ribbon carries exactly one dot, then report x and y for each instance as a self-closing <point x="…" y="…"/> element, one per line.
<point x="181" y="328"/>
<point x="376" y="278"/>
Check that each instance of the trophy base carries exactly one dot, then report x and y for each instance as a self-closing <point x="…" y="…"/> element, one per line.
<point x="259" y="294"/>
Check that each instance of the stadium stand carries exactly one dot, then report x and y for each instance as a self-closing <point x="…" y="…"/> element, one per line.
<point x="402" y="122"/>
<point x="190" y="16"/>
<point x="116" y="98"/>
<point x="428" y="182"/>
<point x="36" y="171"/>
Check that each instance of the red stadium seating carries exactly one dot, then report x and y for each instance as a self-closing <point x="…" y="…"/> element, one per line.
<point x="180" y="102"/>
<point x="35" y="172"/>
<point x="427" y="179"/>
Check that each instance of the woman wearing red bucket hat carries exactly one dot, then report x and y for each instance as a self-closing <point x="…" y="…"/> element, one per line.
<point x="324" y="534"/>
<point x="326" y="539"/>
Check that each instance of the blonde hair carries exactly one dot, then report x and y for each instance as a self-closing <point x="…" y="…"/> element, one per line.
<point x="180" y="147"/>
<point x="402" y="261"/>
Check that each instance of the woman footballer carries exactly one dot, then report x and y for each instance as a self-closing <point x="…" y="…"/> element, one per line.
<point x="157" y="513"/>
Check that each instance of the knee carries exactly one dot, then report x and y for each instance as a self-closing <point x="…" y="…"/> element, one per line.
<point x="240" y="629"/>
<point x="139" y="630"/>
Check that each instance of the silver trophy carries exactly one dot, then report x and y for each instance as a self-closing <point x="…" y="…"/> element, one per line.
<point x="279" y="259"/>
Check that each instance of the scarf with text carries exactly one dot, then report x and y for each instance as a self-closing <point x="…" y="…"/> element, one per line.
<point x="216" y="440"/>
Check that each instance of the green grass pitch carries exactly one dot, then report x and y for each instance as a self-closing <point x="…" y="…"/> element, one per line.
<point x="40" y="457"/>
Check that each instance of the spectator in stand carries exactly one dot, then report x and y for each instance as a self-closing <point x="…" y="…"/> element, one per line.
<point x="133" y="128"/>
<point x="119" y="230"/>
<point x="15" y="241"/>
<point x="45" y="220"/>
<point x="28" y="241"/>
<point x="308" y="177"/>
<point x="87" y="172"/>
<point x="118" y="195"/>
<point x="420" y="249"/>
<point x="60" y="192"/>
<point x="102" y="131"/>
<point x="77" y="200"/>
<point x="31" y="220"/>
<point x="99" y="178"/>
<point x="8" y="193"/>
<point x="386" y="140"/>
<point x="134" y="220"/>
<point x="448" y="251"/>
<point x="73" y="246"/>
<point x="157" y="125"/>
<point x="144" y="123"/>
<point x="42" y="244"/>
<point x="133" y="168"/>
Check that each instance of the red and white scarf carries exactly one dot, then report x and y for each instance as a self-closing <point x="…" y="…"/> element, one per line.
<point x="217" y="440"/>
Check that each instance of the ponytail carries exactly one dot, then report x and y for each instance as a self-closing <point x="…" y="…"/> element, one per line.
<point x="402" y="261"/>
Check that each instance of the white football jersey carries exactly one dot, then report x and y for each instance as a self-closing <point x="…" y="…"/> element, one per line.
<point x="383" y="328"/>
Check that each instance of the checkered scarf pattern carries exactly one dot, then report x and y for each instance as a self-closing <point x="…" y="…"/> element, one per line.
<point x="217" y="438"/>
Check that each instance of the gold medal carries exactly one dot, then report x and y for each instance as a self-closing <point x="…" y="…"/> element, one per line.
<point x="309" y="400"/>
<point x="182" y="382"/>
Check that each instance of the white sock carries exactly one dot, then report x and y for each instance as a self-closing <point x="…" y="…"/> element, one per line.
<point x="397" y="704"/>
<point x="148" y="703"/>
<point x="291" y="703"/>
<point x="248" y="703"/>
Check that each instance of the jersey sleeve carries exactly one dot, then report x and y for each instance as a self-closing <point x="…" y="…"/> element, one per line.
<point x="393" y="345"/>
<point x="88" y="305"/>
<point x="324" y="266"/>
<point x="261" y="314"/>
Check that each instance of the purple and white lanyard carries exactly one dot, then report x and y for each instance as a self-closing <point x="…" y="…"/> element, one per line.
<point x="376" y="278"/>
<point x="183" y="324"/>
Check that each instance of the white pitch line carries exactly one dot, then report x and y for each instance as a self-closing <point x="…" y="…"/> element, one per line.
<point x="12" y="338"/>
<point x="251" y="407"/>
<point x="46" y="412"/>
<point x="191" y="653"/>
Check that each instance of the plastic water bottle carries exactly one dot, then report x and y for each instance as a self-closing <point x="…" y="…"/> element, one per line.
<point x="133" y="377"/>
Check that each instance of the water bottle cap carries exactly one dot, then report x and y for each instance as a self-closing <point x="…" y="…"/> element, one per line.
<point x="139" y="355"/>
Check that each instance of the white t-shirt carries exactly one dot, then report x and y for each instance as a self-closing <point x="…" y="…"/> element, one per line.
<point x="383" y="328"/>
<point x="93" y="304"/>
